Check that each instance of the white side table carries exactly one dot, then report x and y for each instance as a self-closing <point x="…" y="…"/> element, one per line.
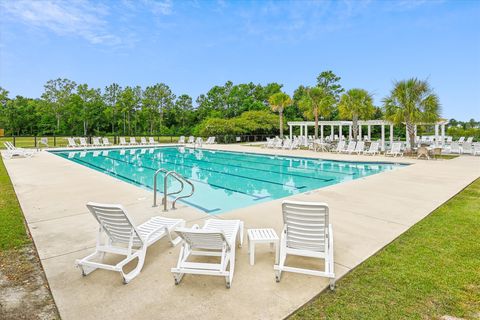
<point x="261" y="236"/>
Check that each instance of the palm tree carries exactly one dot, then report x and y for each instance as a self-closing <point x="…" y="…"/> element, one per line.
<point x="412" y="101"/>
<point x="356" y="104"/>
<point x="278" y="102"/>
<point x="317" y="102"/>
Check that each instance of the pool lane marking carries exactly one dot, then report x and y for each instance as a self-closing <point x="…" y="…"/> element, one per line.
<point x="235" y="175"/>
<point x="249" y="168"/>
<point x="210" y="184"/>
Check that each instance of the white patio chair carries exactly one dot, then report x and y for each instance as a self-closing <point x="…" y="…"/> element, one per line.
<point x="71" y="143"/>
<point x="395" y="150"/>
<point x="340" y="147"/>
<point x="13" y="151"/>
<point x="44" y="141"/>
<point x="118" y="235"/>
<point x="106" y="142"/>
<point x="133" y="141"/>
<point x="350" y="147"/>
<point x="191" y="139"/>
<point x="151" y="140"/>
<point x="278" y="143"/>
<point x="181" y="140"/>
<point x="476" y="149"/>
<point x="455" y="148"/>
<point x="96" y="142"/>
<point x="469" y="140"/>
<point x="287" y="143"/>
<point x="461" y="140"/>
<point x="198" y="142"/>
<point x="307" y="232"/>
<point x="143" y="141"/>
<point x="216" y="238"/>
<point x="209" y="139"/>
<point x="83" y="142"/>
<point x="373" y="149"/>
<point x="360" y="147"/>
<point x="467" y="148"/>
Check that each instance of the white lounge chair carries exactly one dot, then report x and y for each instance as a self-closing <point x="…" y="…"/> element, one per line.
<point x="469" y="140"/>
<point x="307" y="232"/>
<point x="278" y="143"/>
<point x="461" y="140"/>
<point x="396" y="150"/>
<point x="13" y="151"/>
<point x="350" y="147"/>
<point x="191" y="140"/>
<point x="476" y="149"/>
<point x="71" y="143"/>
<point x="83" y="142"/>
<point x="123" y="141"/>
<point x="216" y="238"/>
<point x="340" y="147"/>
<point x="199" y="142"/>
<point x="151" y="140"/>
<point x="133" y="141"/>
<point x="455" y="148"/>
<point x="96" y="142"/>
<point x="143" y="141"/>
<point x="373" y="149"/>
<point x="44" y="141"/>
<point x="287" y="143"/>
<point x="123" y="238"/>
<point x="360" y="147"/>
<point x="467" y="148"/>
<point x="106" y="142"/>
<point x="181" y="140"/>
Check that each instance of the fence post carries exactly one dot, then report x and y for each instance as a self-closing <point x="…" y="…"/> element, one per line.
<point x="14" y="141"/>
<point x="35" y="141"/>
<point x="54" y="140"/>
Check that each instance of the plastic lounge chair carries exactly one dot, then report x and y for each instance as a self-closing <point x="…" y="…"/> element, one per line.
<point x="216" y="238"/>
<point x="72" y="143"/>
<point x="96" y="142"/>
<point x="123" y="238"/>
<point x="83" y="142"/>
<point x="199" y="142"/>
<point x="476" y="149"/>
<point x="360" y="147"/>
<point x="307" y="233"/>
<point x="44" y="141"/>
<point x="133" y="141"/>
<point x="287" y="143"/>
<point x="278" y="143"/>
<point x="395" y="150"/>
<point x="340" y="147"/>
<point x="13" y="151"/>
<point x="151" y="140"/>
<point x="143" y="141"/>
<point x="467" y="148"/>
<point x="123" y="142"/>
<point x="469" y="140"/>
<point x="106" y="142"/>
<point x="181" y="140"/>
<point x="350" y="147"/>
<point x="461" y="140"/>
<point x="373" y="149"/>
<point x="455" y="148"/>
<point x="191" y="139"/>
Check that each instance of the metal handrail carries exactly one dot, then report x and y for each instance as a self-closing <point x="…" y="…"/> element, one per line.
<point x="179" y="178"/>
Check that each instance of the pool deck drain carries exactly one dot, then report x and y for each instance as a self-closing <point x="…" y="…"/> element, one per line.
<point x="366" y="213"/>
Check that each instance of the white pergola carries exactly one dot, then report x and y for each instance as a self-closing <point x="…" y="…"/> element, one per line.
<point x="361" y="123"/>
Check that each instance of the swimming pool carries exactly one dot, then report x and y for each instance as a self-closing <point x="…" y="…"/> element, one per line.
<point x="224" y="180"/>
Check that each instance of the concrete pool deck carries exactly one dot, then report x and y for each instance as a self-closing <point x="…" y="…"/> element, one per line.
<point x="366" y="214"/>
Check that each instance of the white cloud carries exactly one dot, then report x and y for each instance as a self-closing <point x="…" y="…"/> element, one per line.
<point x="159" y="7"/>
<point x="79" y="18"/>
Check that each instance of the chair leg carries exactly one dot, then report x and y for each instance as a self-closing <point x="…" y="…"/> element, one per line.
<point x="127" y="277"/>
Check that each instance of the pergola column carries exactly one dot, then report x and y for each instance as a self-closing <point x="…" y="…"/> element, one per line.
<point x="436" y="134"/>
<point x="331" y="132"/>
<point x="391" y="135"/>
<point x="360" y="132"/>
<point x="321" y="132"/>
<point x="290" y="126"/>
<point x="383" y="137"/>
<point x="340" y="131"/>
<point x="443" y="134"/>
<point x="369" y="133"/>
<point x="301" y="130"/>
<point x="406" y="137"/>
<point x="350" y="132"/>
<point x="306" y="135"/>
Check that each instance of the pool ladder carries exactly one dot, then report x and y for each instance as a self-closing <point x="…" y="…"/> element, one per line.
<point x="177" y="177"/>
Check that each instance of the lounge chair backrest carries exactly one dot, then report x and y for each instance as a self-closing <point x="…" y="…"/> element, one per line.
<point x="96" y="141"/>
<point x="105" y="141"/>
<point x="360" y="146"/>
<point x="461" y="140"/>
<point x="306" y="225"/>
<point x="151" y="140"/>
<point x="115" y="222"/>
<point x="181" y="139"/>
<point x="213" y="140"/>
<point x="396" y="146"/>
<point x="202" y="239"/>
<point x="83" y="141"/>
<point x="143" y="140"/>
<point x="122" y="140"/>
<point x="340" y="146"/>
<point x="191" y="139"/>
<point x="469" y="140"/>
<point x="132" y="140"/>
<point x="351" y="145"/>
<point x="467" y="147"/>
<point x="374" y="146"/>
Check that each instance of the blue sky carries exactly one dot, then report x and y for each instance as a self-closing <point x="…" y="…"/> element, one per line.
<point x="193" y="45"/>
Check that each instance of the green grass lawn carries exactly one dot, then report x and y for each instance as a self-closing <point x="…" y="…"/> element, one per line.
<point x="430" y="271"/>
<point x="12" y="228"/>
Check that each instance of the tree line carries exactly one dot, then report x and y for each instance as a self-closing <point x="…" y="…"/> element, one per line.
<point x="68" y="108"/>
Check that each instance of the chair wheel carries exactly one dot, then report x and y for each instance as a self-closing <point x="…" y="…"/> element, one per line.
<point x="176" y="282"/>
<point x="227" y="285"/>
<point x="277" y="278"/>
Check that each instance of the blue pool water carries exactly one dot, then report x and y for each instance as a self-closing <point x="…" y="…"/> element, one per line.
<point x="224" y="180"/>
